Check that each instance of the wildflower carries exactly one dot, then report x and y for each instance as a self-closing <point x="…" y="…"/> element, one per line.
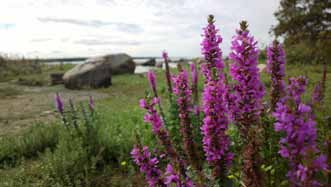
<point x="59" y="103"/>
<point x="148" y="165"/>
<point x="215" y="123"/>
<point x="184" y="100"/>
<point x="172" y="177"/>
<point x="167" y="70"/>
<point x="160" y="131"/>
<point x="210" y="49"/>
<point x="91" y="103"/>
<point x="317" y="95"/>
<point x="319" y="89"/>
<point x="299" y="146"/>
<point x="296" y="88"/>
<point x="152" y="81"/>
<point x="247" y="101"/>
<point x="194" y="88"/>
<point x="276" y="67"/>
<point x="152" y="116"/>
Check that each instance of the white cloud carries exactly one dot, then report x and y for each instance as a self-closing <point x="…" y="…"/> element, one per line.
<point x="60" y="28"/>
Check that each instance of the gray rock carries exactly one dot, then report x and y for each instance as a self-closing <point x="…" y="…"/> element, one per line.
<point x="97" y="72"/>
<point x="149" y="62"/>
<point x="56" y="78"/>
<point x="121" y="63"/>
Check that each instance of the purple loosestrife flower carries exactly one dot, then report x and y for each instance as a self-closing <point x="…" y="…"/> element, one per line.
<point x="297" y="86"/>
<point x="317" y="96"/>
<point x="276" y="67"/>
<point x="167" y="70"/>
<point x="215" y="123"/>
<point x="152" y="81"/>
<point x="248" y="92"/>
<point x="319" y="90"/>
<point x="152" y="116"/>
<point x="194" y="87"/>
<point x="91" y="103"/>
<point x="183" y="92"/>
<point x="148" y="165"/>
<point x="160" y="131"/>
<point x="249" y="89"/>
<point x="172" y="177"/>
<point x="59" y="103"/>
<point x="210" y="49"/>
<point x="299" y="146"/>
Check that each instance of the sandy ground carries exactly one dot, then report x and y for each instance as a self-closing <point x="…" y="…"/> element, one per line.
<point x="35" y="104"/>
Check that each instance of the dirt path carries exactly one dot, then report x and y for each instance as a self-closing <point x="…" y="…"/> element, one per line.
<point x="35" y="104"/>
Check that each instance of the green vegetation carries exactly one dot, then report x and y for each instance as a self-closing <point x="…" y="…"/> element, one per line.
<point x="52" y="155"/>
<point x="27" y="72"/>
<point x="305" y="26"/>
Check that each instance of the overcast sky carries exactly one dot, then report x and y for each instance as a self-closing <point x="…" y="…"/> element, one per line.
<point x="65" y="28"/>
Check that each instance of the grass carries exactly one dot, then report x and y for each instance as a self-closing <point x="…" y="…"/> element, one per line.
<point x="119" y="121"/>
<point x="9" y="91"/>
<point x="27" y="145"/>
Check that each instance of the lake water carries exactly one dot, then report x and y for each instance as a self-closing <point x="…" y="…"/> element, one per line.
<point x="139" y="68"/>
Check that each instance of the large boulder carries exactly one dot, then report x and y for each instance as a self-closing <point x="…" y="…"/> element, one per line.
<point x="97" y="72"/>
<point x="120" y="63"/>
<point x="149" y="62"/>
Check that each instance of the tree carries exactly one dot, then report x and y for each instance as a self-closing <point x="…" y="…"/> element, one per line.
<point x="305" y="25"/>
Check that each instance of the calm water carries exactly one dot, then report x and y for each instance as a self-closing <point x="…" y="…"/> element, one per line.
<point x="139" y="68"/>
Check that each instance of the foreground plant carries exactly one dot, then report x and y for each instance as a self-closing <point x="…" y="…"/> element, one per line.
<point x="184" y="100"/>
<point x="162" y="133"/>
<point x="148" y="165"/>
<point x="276" y="68"/>
<point x="299" y="146"/>
<point x="216" y="142"/>
<point x="246" y="108"/>
<point x="208" y="161"/>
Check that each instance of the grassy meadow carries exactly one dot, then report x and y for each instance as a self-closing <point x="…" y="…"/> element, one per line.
<point x="36" y="149"/>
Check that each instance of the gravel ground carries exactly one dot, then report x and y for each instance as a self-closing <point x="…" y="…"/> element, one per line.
<point x="35" y="104"/>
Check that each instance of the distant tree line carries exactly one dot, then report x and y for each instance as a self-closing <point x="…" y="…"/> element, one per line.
<point x="305" y="26"/>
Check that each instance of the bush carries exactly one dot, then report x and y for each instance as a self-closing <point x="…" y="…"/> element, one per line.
<point x="27" y="145"/>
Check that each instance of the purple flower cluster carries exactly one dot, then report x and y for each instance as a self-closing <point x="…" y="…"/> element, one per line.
<point x="276" y="67"/>
<point x="297" y="87"/>
<point x="160" y="131"/>
<point x="249" y="90"/>
<point x="215" y="140"/>
<point x="194" y="87"/>
<point x="148" y="165"/>
<point x="167" y="70"/>
<point x="317" y="96"/>
<point x="246" y="101"/>
<point x="194" y="75"/>
<point x="152" y="81"/>
<point x="59" y="103"/>
<point x="152" y="116"/>
<point x="210" y="49"/>
<point x="215" y="123"/>
<point x="238" y="101"/>
<point x="184" y="100"/>
<point x="299" y="144"/>
<point x="172" y="177"/>
<point x="91" y="103"/>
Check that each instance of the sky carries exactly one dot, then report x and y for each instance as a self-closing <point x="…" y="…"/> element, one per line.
<point x="71" y="28"/>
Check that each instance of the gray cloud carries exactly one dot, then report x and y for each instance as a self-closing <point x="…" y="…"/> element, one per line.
<point x="124" y="27"/>
<point x="103" y="42"/>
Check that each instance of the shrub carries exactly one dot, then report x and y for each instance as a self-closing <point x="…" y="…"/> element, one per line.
<point x="245" y="141"/>
<point x="28" y="145"/>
